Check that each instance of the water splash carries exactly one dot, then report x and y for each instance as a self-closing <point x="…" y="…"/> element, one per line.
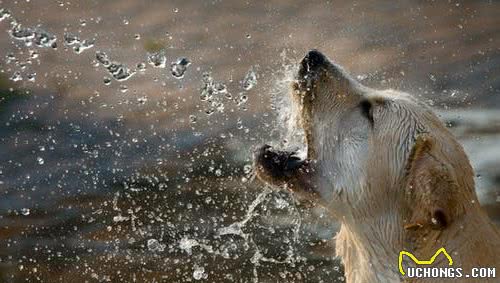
<point x="235" y="228"/>
<point x="213" y="93"/>
<point x="291" y="135"/>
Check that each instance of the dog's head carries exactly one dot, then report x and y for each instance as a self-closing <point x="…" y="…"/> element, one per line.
<point x="371" y="152"/>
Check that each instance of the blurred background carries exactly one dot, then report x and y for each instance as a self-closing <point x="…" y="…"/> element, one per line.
<point x="126" y="128"/>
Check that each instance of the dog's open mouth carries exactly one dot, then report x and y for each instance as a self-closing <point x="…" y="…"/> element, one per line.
<point x="285" y="168"/>
<point x="278" y="164"/>
<point x="290" y="168"/>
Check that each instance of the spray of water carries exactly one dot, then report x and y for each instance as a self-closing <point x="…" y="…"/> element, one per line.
<point x="292" y="136"/>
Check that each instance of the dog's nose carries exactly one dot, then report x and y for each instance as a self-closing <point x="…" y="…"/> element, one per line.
<point x="313" y="60"/>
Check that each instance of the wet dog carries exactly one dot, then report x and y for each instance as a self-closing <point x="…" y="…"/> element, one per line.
<point x="386" y="167"/>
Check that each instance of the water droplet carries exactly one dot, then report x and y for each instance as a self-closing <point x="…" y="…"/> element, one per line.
<point x="102" y="58"/>
<point x="239" y="124"/>
<point x="361" y="77"/>
<point x="84" y="45"/>
<point x="155" y="246"/>
<point x="220" y="88"/>
<point x="25" y="211"/>
<point x="34" y="54"/>
<point x="79" y="45"/>
<point x="192" y="119"/>
<point x="179" y="67"/>
<point x="210" y="111"/>
<point x="4" y="14"/>
<point x="199" y="272"/>
<point x="40" y="160"/>
<point x="107" y="81"/>
<point x="137" y="36"/>
<point x="242" y="99"/>
<point x="187" y="244"/>
<point x="19" y="32"/>
<point x="250" y="80"/>
<point x="31" y="77"/>
<point x="141" y="67"/>
<point x="247" y="169"/>
<point x="157" y="59"/>
<point x="281" y="203"/>
<point x="10" y="58"/>
<point x="70" y="39"/>
<point x="176" y="10"/>
<point x="142" y="99"/>
<point x="16" y="76"/>
<point x="44" y="39"/>
<point x="248" y="36"/>
<point x="120" y="218"/>
<point x="123" y="88"/>
<point x="210" y="93"/>
<point x="119" y="71"/>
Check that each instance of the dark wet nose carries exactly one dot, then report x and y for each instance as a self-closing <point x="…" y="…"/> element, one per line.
<point x="313" y="60"/>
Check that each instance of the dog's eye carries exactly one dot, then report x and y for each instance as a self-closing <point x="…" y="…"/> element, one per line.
<point x="367" y="110"/>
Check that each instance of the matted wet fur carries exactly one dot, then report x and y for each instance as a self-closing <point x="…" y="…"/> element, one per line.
<point x="385" y="166"/>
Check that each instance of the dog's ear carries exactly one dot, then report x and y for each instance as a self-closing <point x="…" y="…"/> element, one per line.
<point x="431" y="186"/>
